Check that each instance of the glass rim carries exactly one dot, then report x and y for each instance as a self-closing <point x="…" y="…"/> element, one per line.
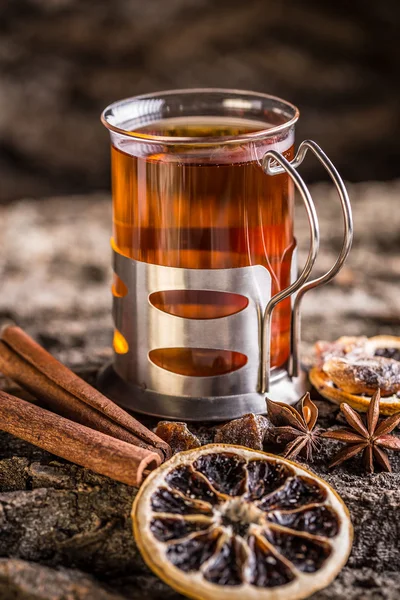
<point x="216" y="140"/>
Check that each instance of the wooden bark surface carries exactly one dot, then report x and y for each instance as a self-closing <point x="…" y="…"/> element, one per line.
<point x="64" y="531"/>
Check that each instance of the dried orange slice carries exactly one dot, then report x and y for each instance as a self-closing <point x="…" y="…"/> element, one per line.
<point x="389" y="405"/>
<point x="226" y="522"/>
<point x="351" y="369"/>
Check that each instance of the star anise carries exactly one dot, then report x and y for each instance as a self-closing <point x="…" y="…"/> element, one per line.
<point x="369" y="438"/>
<point x="296" y="428"/>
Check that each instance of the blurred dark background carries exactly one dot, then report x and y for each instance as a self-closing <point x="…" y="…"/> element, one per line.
<point x="63" y="61"/>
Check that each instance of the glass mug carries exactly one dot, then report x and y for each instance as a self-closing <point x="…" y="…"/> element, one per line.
<point x="190" y="192"/>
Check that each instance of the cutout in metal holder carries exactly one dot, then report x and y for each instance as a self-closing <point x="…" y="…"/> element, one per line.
<point x="270" y="169"/>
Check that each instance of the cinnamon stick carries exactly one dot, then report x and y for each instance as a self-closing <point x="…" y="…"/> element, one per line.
<point x="59" y="400"/>
<point x="32" y="367"/>
<point x="75" y="442"/>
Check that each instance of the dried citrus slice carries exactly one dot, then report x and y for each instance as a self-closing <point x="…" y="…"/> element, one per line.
<point x="350" y="370"/>
<point x="224" y="521"/>
<point x="389" y="405"/>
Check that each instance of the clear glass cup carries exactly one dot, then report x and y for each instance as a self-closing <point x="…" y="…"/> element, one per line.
<point x="189" y="192"/>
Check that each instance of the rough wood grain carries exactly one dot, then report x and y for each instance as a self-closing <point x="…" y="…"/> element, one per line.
<point x="66" y="532"/>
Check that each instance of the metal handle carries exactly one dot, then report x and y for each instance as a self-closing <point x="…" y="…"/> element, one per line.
<point x="285" y="165"/>
<point x="294" y="365"/>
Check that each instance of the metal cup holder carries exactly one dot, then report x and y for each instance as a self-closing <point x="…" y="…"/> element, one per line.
<point x="138" y="384"/>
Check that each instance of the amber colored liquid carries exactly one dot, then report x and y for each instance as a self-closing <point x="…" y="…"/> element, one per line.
<point x="183" y="208"/>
